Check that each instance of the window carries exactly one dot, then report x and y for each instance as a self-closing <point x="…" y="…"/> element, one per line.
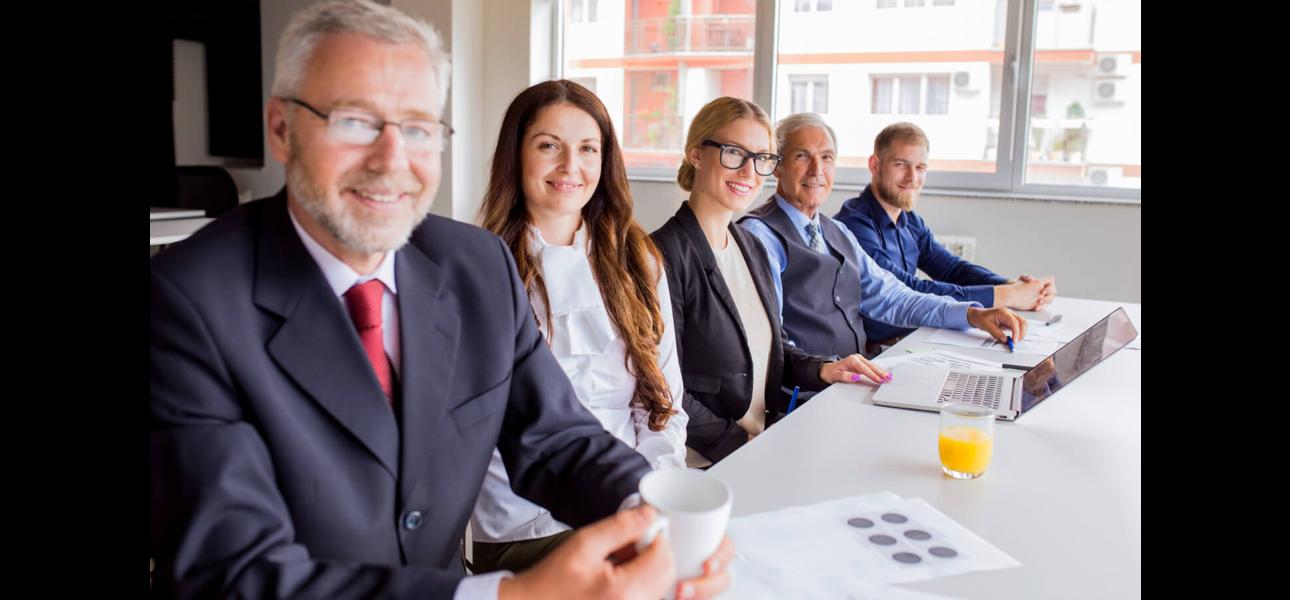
<point x="810" y="93"/>
<point x="655" y="63"/>
<point x="909" y="90"/>
<point x="938" y="94"/>
<point x="1085" y="97"/>
<point x="909" y="93"/>
<point x="1039" y="96"/>
<point x="582" y="11"/>
<point x="587" y="82"/>
<point x="1065" y="121"/>
<point x="810" y="5"/>
<point x="882" y="87"/>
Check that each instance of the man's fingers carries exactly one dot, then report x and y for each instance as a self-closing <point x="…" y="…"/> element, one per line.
<point x="651" y="567"/>
<point x="721" y="557"/>
<point x="610" y="534"/>
<point x="1019" y="327"/>
<point x="988" y="325"/>
<point x="701" y="588"/>
<point x="716" y="576"/>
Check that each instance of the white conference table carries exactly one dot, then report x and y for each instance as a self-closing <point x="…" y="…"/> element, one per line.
<point x="1062" y="494"/>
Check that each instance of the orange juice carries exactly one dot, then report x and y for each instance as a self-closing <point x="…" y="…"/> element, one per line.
<point x="966" y="450"/>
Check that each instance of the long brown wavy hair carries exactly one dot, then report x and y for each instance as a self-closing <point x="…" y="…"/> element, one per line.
<point x="625" y="261"/>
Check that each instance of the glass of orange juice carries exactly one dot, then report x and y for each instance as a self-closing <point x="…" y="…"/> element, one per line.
<point x="967" y="439"/>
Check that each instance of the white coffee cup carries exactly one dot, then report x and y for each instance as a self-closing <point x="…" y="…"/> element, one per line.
<point x="693" y="509"/>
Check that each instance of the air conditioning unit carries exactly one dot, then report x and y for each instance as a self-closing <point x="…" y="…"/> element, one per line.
<point x="961" y="246"/>
<point x="1103" y="176"/>
<point x="1112" y="65"/>
<point x="1108" y="92"/>
<point x="962" y="80"/>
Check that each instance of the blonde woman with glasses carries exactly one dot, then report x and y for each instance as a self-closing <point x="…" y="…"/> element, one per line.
<point x="734" y="359"/>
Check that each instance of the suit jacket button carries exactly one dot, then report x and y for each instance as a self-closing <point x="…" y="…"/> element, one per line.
<point x="412" y="520"/>
<point x="837" y="298"/>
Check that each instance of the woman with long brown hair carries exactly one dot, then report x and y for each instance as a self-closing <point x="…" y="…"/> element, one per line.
<point x="558" y="196"/>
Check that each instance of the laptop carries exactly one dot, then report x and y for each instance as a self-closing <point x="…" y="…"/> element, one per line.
<point x="1010" y="393"/>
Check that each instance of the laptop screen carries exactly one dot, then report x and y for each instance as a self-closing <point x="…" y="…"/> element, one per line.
<point x="1076" y="357"/>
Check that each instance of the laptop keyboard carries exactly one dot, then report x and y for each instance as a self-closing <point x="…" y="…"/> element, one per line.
<point x="981" y="390"/>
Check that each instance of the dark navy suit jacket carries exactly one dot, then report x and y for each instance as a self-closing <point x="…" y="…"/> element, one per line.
<point x="277" y="467"/>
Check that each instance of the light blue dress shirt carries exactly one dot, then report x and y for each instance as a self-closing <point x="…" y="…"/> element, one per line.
<point x="883" y="297"/>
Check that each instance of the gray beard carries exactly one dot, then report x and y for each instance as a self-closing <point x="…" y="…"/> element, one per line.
<point x="386" y="235"/>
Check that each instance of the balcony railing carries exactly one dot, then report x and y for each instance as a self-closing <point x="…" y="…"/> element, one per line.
<point x="695" y="33"/>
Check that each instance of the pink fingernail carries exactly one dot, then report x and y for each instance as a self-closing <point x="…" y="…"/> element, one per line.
<point x="889" y="377"/>
<point x="855" y="377"/>
<point x="687" y="591"/>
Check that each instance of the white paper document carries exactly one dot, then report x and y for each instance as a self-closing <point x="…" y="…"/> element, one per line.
<point x="975" y="338"/>
<point x="940" y="358"/>
<point x="852" y="548"/>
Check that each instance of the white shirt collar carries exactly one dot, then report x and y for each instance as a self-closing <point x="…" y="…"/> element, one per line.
<point x="537" y="243"/>
<point x="338" y="274"/>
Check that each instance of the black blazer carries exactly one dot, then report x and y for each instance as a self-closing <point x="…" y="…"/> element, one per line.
<point x="715" y="362"/>
<point x="277" y="466"/>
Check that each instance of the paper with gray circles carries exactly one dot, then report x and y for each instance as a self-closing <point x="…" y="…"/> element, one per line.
<point x="853" y="548"/>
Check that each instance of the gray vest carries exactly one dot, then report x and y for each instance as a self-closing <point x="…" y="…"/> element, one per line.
<point x="821" y="291"/>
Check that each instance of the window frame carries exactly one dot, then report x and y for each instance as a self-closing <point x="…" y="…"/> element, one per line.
<point x="1008" y="180"/>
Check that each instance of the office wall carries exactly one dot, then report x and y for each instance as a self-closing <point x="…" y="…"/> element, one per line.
<point x="1094" y="249"/>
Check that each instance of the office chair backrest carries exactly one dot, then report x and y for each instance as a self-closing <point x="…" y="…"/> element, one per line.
<point x="207" y="188"/>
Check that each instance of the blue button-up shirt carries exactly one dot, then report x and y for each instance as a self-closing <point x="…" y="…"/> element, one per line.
<point x="906" y="245"/>
<point x="882" y="297"/>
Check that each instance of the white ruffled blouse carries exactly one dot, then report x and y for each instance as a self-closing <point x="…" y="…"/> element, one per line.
<point x="591" y="353"/>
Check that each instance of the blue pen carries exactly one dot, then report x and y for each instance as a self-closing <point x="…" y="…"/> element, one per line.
<point x="792" y="402"/>
<point x="1010" y="348"/>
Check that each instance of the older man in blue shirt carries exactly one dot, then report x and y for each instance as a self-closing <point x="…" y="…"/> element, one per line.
<point x="825" y="282"/>
<point x="884" y="224"/>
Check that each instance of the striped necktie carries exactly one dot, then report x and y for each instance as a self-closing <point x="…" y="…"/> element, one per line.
<point x="813" y="238"/>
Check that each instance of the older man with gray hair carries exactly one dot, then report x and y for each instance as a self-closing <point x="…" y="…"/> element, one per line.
<point x="825" y="282"/>
<point x="331" y="368"/>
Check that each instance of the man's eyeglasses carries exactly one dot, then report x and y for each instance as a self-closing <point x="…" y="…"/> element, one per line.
<point x="734" y="157"/>
<point x="361" y="128"/>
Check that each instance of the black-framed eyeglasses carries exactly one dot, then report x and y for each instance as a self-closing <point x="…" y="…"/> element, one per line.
<point x="360" y="128"/>
<point x="733" y="157"/>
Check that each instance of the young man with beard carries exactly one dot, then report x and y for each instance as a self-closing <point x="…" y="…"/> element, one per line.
<point x="884" y="223"/>
<point x="331" y="368"/>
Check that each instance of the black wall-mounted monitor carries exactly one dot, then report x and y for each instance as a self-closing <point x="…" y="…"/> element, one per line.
<point x="230" y="32"/>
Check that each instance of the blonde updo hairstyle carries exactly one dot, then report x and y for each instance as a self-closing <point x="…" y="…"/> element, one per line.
<point x="711" y="118"/>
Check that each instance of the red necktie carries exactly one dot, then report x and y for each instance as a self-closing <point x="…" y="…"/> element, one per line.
<point x="364" y="303"/>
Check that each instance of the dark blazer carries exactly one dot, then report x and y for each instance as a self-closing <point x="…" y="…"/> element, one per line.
<point x="277" y="467"/>
<point x="715" y="362"/>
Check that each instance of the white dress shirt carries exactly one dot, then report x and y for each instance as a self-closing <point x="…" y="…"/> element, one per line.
<point x="592" y="355"/>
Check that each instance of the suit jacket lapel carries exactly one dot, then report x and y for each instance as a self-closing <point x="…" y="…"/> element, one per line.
<point x="430" y="329"/>
<point x="690" y="225"/>
<point x="316" y="344"/>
